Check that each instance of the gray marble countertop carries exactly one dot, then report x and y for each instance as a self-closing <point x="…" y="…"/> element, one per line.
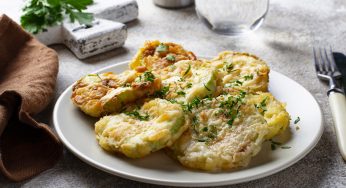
<point x="284" y="41"/>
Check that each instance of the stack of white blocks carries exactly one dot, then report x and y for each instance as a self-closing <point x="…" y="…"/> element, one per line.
<point x="107" y="32"/>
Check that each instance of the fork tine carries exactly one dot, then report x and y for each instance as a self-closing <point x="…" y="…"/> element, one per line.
<point x="316" y="61"/>
<point x="330" y="60"/>
<point x="325" y="63"/>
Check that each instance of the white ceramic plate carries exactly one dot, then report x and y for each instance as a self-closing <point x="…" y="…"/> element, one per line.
<point x="76" y="131"/>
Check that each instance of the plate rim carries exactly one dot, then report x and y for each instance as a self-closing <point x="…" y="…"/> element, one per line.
<point x="157" y="181"/>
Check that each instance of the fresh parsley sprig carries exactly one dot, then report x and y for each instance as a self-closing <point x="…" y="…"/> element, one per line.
<point x="38" y="15"/>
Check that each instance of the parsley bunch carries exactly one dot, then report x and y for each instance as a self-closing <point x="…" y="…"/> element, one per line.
<point x="38" y="15"/>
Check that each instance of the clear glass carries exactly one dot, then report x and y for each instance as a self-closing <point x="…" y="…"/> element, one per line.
<point x="232" y="17"/>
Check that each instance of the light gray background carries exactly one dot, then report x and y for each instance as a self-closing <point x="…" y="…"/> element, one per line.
<point x="284" y="41"/>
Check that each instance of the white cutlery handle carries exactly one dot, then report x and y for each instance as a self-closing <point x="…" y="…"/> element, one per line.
<point x="337" y="103"/>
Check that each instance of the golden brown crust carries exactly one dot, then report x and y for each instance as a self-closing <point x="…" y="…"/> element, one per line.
<point x="102" y="94"/>
<point x="153" y="59"/>
<point x="251" y="71"/>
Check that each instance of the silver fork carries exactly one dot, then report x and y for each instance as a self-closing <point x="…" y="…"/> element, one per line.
<point x="326" y="70"/>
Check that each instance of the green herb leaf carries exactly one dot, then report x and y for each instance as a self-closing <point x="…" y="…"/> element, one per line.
<point x="248" y="77"/>
<point x="230" y="107"/>
<point x="127" y="85"/>
<point x="273" y="146"/>
<point x="173" y="101"/>
<point x="181" y="79"/>
<point x="228" y="67"/>
<point x="170" y="57"/>
<point x="80" y="4"/>
<point x="82" y="17"/>
<point x="162" y="48"/>
<point x="189" y="85"/>
<point x="238" y="83"/>
<point x="262" y="106"/>
<point x="97" y="75"/>
<point x="187" y="70"/>
<point x="162" y="93"/>
<point x="137" y="115"/>
<point x="149" y="76"/>
<point x="181" y="93"/>
<point x="38" y="15"/>
<point x="297" y="120"/>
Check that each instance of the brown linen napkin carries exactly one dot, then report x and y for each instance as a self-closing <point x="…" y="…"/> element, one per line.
<point x="28" y="72"/>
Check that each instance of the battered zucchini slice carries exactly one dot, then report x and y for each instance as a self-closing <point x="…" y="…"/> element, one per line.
<point x="273" y="111"/>
<point x="138" y="132"/>
<point x="156" y="55"/>
<point x="187" y="80"/>
<point x="242" y="71"/>
<point x="102" y="94"/>
<point x="226" y="131"/>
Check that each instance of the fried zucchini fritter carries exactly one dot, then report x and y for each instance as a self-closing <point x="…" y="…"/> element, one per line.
<point x="137" y="133"/>
<point x="102" y="94"/>
<point x="242" y="71"/>
<point x="228" y="130"/>
<point x="188" y="79"/>
<point x="156" y="55"/>
<point x="274" y="112"/>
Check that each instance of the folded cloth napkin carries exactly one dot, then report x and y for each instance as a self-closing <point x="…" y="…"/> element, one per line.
<point x="28" y="72"/>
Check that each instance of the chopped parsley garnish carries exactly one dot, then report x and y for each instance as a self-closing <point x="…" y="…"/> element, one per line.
<point x="238" y="83"/>
<point x="234" y="83"/>
<point x="262" y="106"/>
<point x="297" y="120"/>
<point x="170" y="57"/>
<point x="189" y="106"/>
<point x="230" y="121"/>
<point x="162" y="93"/>
<point x="95" y="75"/>
<point x="187" y="70"/>
<point x="248" y="77"/>
<point x="137" y="115"/>
<point x="228" y="67"/>
<point x="189" y="85"/>
<point x="209" y="97"/>
<point x="162" y="48"/>
<point x="195" y="102"/>
<point x="231" y="107"/>
<point x="127" y="85"/>
<point x="149" y="76"/>
<point x="206" y="87"/>
<point x="182" y="93"/>
<point x="181" y="79"/>
<point x="173" y="101"/>
<point x="205" y="134"/>
<point x="274" y="145"/>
